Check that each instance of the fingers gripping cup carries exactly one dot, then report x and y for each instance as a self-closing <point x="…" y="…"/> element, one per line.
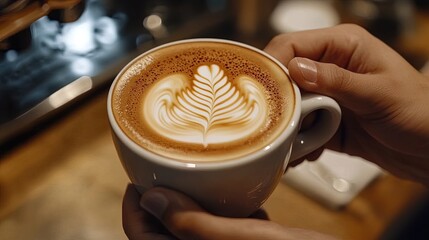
<point x="215" y="119"/>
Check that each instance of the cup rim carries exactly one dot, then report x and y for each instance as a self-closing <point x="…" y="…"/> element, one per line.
<point x="169" y="162"/>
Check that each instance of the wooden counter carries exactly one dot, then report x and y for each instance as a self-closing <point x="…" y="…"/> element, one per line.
<point x="66" y="182"/>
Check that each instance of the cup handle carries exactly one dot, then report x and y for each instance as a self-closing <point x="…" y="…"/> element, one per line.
<point x="321" y="130"/>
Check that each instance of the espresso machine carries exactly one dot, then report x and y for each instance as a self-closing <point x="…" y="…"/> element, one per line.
<point x="54" y="52"/>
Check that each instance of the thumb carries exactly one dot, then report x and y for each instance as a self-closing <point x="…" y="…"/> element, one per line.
<point x="163" y="202"/>
<point x="351" y="90"/>
<point x="179" y="214"/>
<point x="182" y="217"/>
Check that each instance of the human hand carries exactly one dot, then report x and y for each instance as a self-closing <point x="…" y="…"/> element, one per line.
<point x="383" y="98"/>
<point x="162" y="214"/>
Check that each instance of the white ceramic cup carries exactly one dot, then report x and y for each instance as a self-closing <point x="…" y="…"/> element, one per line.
<point x="237" y="187"/>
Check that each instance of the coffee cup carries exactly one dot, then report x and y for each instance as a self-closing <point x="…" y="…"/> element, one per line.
<point x="215" y="119"/>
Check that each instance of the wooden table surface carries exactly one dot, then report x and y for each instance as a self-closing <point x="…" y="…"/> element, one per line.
<point x="66" y="182"/>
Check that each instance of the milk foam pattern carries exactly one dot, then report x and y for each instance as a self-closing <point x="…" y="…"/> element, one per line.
<point x="209" y="109"/>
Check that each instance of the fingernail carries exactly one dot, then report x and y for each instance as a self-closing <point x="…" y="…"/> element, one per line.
<point x="308" y="69"/>
<point x="155" y="203"/>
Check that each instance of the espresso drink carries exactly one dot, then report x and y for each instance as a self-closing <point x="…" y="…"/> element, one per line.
<point x="203" y="101"/>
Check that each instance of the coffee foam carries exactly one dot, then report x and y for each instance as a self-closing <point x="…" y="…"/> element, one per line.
<point x="203" y="101"/>
<point x="207" y="110"/>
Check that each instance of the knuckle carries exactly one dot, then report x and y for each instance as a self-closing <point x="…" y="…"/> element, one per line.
<point x="281" y="47"/>
<point x="279" y="41"/>
<point x="353" y="33"/>
<point x="353" y="28"/>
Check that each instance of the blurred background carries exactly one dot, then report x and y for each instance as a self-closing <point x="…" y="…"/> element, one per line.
<point x="60" y="177"/>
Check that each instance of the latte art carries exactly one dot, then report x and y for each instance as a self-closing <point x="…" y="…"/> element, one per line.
<point x="209" y="109"/>
<point x="202" y="101"/>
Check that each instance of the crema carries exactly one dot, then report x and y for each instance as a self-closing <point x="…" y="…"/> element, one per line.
<point x="203" y="101"/>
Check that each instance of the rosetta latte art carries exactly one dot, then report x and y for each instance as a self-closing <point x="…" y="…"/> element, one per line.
<point x="209" y="109"/>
